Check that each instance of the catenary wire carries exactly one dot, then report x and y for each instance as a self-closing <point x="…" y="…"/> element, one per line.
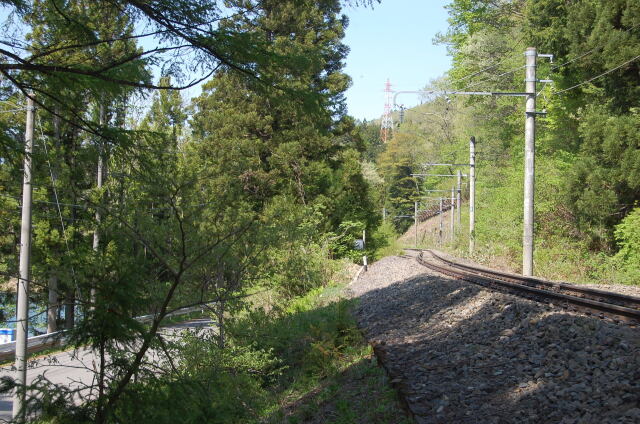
<point x="598" y="76"/>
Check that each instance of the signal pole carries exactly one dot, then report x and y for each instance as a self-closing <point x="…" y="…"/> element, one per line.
<point x="22" y="318"/>
<point x="531" y="56"/>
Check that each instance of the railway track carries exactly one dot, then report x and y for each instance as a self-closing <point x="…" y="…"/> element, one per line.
<point x="604" y="304"/>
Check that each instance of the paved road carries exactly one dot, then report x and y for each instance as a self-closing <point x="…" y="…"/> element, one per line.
<point x="75" y="368"/>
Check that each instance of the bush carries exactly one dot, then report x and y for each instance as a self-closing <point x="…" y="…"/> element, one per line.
<point x="627" y="235"/>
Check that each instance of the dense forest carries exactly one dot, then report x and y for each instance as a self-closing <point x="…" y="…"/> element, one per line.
<point x="146" y="202"/>
<point x="587" y="162"/>
<point x="244" y="199"/>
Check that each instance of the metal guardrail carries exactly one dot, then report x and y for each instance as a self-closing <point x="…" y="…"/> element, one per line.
<point x="58" y="338"/>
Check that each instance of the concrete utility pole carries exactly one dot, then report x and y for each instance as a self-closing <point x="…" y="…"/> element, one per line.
<point x="384" y="214"/>
<point x="458" y="203"/>
<point x="529" y="183"/>
<point x="440" y="231"/>
<point x="415" y="222"/>
<point x="452" y="211"/>
<point x="472" y="194"/>
<point x="22" y="318"/>
<point x="99" y="181"/>
<point x="531" y="56"/>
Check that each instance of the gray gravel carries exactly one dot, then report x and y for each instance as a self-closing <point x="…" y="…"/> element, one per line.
<point x="462" y="354"/>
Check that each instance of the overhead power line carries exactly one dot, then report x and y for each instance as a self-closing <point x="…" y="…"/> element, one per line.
<point x="560" y="65"/>
<point x="492" y="66"/>
<point x="493" y="77"/>
<point x="599" y="76"/>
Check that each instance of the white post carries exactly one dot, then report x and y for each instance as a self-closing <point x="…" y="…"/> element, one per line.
<point x="364" y="246"/>
<point x="22" y="318"/>
<point x="529" y="161"/>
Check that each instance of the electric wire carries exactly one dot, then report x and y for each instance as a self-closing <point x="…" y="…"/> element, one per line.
<point x="55" y="193"/>
<point x="12" y="110"/>
<point x="598" y="76"/>
<point x="495" y="65"/>
<point x="553" y="68"/>
<point x="493" y="77"/>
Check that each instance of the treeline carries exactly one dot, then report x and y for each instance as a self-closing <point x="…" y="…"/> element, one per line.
<point x="138" y="209"/>
<point x="587" y="184"/>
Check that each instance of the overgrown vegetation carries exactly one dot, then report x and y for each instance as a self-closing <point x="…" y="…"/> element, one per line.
<point x="586" y="157"/>
<point x="146" y="202"/>
<point x="302" y="360"/>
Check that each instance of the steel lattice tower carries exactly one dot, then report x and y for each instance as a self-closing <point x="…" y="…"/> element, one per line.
<point x="386" y="125"/>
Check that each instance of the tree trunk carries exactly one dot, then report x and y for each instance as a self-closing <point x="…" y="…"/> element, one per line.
<point x="52" y="312"/>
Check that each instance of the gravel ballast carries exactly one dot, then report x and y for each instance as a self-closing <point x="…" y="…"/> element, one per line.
<point x="460" y="353"/>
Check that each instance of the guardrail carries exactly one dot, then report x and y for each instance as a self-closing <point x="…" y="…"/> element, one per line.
<point x="58" y="338"/>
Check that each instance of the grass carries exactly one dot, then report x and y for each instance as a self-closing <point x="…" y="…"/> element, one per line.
<point x="299" y="361"/>
<point x="328" y="371"/>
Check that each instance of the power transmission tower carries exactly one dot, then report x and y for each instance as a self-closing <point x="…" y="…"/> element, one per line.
<point x="386" y="124"/>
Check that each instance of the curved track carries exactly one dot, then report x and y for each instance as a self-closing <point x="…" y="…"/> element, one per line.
<point x="614" y="306"/>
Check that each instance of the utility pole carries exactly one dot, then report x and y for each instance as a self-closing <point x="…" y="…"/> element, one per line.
<point x="440" y="229"/>
<point x="459" y="195"/>
<point x="384" y="214"/>
<point x="22" y="318"/>
<point x="99" y="180"/>
<point x="472" y="194"/>
<point x="415" y="222"/>
<point x="531" y="56"/>
<point x="452" y="211"/>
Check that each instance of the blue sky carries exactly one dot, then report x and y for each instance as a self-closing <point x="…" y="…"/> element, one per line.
<point x="393" y="40"/>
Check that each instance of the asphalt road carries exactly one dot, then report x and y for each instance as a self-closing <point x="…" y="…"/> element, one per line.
<point x="75" y="369"/>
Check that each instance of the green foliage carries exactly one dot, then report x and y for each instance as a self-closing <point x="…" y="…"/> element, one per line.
<point x="307" y="334"/>
<point x="586" y="146"/>
<point x="257" y="191"/>
<point x="210" y="385"/>
<point x="272" y="363"/>
<point x="342" y="244"/>
<point x="627" y="260"/>
<point x="385" y="241"/>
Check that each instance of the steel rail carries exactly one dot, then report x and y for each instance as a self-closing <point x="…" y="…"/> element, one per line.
<point x="594" y="294"/>
<point x="514" y="285"/>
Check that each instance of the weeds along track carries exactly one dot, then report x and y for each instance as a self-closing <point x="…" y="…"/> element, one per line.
<point x="604" y="304"/>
